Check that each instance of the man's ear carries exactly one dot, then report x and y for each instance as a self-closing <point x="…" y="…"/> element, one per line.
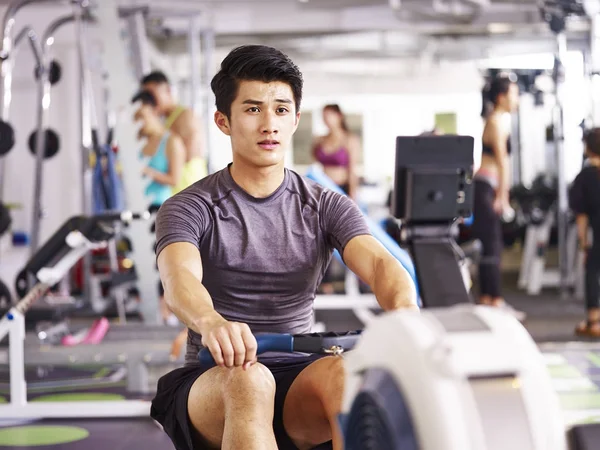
<point x="223" y="123"/>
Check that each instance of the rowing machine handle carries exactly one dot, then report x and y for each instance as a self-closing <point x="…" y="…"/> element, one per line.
<point x="270" y="342"/>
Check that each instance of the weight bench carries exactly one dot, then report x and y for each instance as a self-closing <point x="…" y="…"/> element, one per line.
<point x="68" y="245"/>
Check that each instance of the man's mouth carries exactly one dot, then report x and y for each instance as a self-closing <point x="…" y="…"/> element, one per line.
<point x="268" y="144"/>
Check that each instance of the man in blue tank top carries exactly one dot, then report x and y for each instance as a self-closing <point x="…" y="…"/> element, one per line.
<point x="243" y="251"/>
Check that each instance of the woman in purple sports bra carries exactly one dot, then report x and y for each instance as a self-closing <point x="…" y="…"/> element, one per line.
<point x="338" y="150"/>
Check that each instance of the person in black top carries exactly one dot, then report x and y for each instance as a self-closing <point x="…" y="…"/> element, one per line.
<point x="492" y="183"/>
<point x="584" y="200"/>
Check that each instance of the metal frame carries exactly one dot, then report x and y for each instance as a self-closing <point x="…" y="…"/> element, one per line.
<point x="87" y="115"/>
<point x="208" y="100"/>
<point x="138" y="42"/>
<point x="563" y="203"/>
<point x="43" y="103"/>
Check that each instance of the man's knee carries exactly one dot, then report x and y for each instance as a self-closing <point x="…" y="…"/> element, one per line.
<point x="255" y="382"/>
<point x="330" y="378"/>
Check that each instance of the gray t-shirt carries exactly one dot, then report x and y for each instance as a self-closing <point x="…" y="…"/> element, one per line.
<point x="262" y="258"/>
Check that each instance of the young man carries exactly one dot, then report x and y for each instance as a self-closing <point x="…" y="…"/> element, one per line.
<point x="243" y="251"/>
<point x="182" y="122"/>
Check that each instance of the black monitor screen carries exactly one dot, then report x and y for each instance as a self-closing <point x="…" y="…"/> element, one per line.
<point x="433" y="178"/>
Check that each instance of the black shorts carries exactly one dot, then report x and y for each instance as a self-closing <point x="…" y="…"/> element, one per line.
<point x="169" y="407"/>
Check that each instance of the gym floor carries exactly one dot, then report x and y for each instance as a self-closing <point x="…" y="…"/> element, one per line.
<point x="573" y="365"/>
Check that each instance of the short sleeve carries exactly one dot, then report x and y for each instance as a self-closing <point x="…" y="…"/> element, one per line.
<point x="341" y="220"/>
<point x="182" y="218"/>
<point x="577" y="195"/>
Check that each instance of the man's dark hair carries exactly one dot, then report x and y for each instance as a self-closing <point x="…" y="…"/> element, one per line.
<point x="155" y="77"/>
<point x="254" y="63"/>
<point x="145" y="97"/>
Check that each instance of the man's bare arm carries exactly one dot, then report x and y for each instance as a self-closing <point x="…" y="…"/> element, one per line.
<point x="389" y="281"/>
<point x="180" y="268"/>
<point x="230" y="343"/>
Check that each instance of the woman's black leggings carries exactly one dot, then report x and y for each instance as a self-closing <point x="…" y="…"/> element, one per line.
<point x="487" y="227"/>
<point x="592" y="274"/>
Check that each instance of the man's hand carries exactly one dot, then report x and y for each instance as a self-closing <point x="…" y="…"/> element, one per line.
<point x="231" y="344"/>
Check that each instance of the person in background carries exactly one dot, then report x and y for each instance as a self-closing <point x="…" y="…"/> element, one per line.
<point x="163" y="152"/>
<point x="182" y="122"/>
<point x="338" y="151"/>
<point x="164" y="155"/>
<point x="491" y="188"/>
<point x="584" y="200"/>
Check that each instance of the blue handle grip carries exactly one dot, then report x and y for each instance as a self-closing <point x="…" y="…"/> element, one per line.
<point x="266" y="343"/>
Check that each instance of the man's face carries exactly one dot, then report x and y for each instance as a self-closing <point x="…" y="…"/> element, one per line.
<point x="162" y="94"/>
<point x="262" y="122"/>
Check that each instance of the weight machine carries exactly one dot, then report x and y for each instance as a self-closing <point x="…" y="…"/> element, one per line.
<point x="433" y="186"/>
<point x="43" y="143"/>
<point x="68" y="245"/>
<point x="476" y="379"/>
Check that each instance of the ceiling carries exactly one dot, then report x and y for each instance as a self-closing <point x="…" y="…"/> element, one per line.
<point x="342" y="34"/>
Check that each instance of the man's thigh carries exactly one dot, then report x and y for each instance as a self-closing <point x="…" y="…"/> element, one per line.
<point x="206" y="410"/>
<point x="313" y="402"/>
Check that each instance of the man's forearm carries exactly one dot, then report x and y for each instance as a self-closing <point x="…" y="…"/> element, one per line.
<point x="393" y="287"/>
<point x="189" y="300"/>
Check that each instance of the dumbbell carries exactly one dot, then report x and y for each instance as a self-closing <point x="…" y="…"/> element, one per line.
<point x="7" y="137"/>
<point x="52" y="143"/>
<point x="55" y="72"/>
<point x="508" y="215"/>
